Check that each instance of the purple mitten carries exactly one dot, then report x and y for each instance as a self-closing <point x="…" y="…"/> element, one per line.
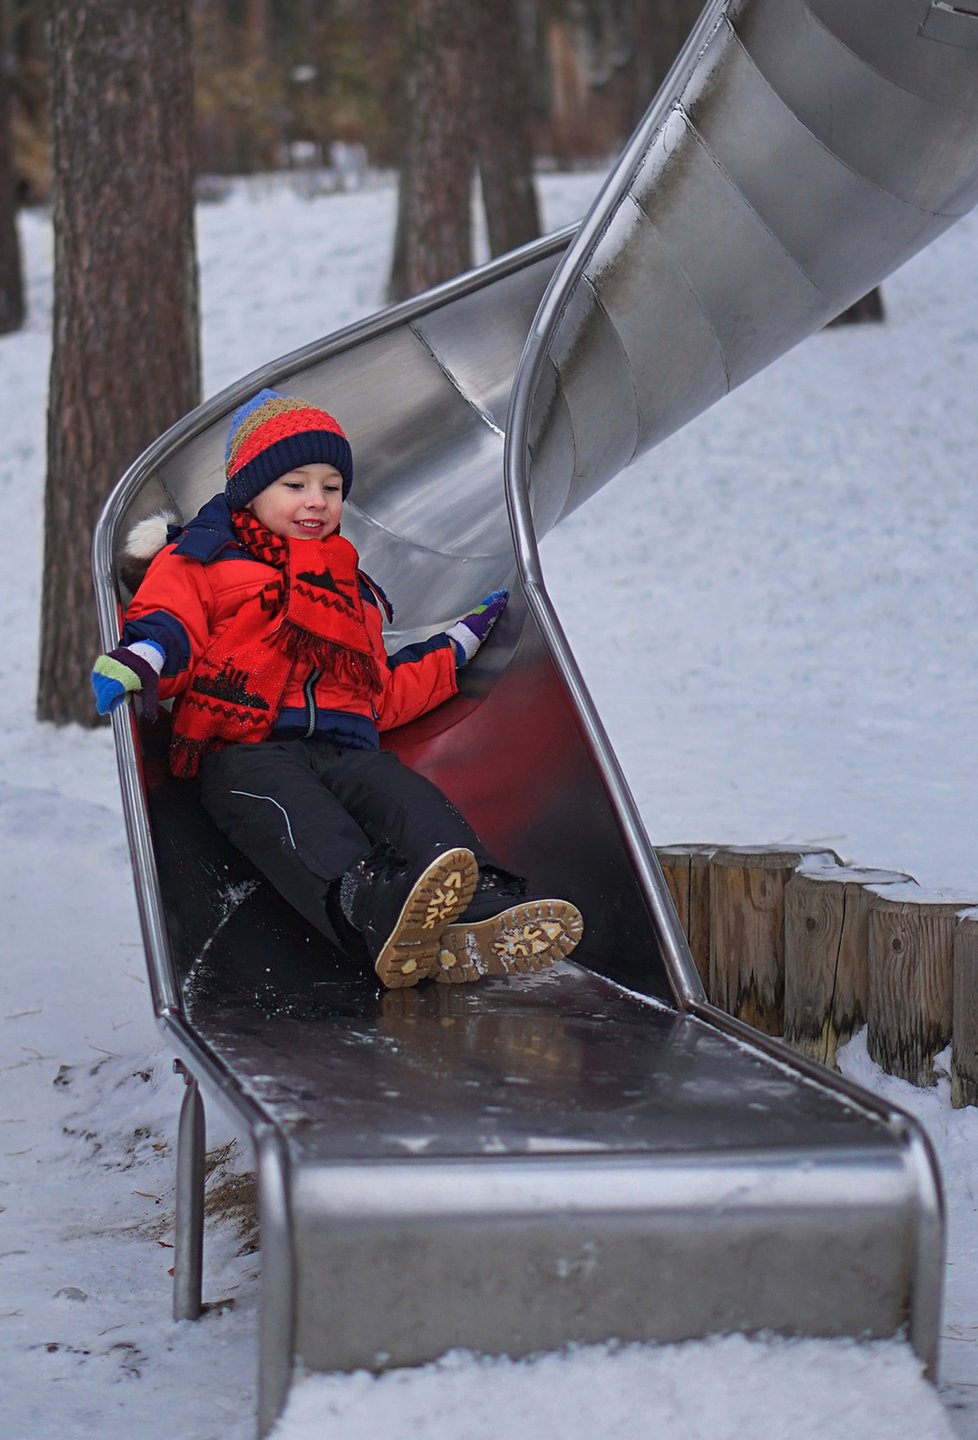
<point x="470" y="632"/>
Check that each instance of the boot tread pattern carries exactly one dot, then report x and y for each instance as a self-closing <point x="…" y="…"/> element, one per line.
<point x="527" y="937"/>
<point x="443" y="905"/>
<point x="442" y="891"/>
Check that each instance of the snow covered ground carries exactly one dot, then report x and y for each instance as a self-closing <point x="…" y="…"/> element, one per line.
<point x="774" y="612"/>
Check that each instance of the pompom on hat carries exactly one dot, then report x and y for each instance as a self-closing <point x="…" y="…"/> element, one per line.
<point x="272" y="434"/>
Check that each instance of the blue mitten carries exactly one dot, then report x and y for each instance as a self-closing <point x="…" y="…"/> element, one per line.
<point x="125" y="671"/>
<point x="470" y="632"/>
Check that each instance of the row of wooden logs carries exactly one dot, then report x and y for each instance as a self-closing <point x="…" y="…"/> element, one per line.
<point x="800" y="945"/>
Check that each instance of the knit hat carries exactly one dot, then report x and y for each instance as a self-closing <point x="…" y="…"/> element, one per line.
<point x="272" y="434"/>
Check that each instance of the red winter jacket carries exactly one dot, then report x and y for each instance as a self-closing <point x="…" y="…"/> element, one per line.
<point x="195" y="585"/>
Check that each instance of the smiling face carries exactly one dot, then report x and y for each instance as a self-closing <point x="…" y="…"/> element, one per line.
<point x="303" y="504"/>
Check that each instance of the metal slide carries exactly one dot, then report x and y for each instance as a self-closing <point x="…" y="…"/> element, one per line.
<point x="594" y="1152"/>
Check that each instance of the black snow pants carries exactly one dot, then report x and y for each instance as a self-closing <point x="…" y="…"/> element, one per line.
<point x="304" y="811"/>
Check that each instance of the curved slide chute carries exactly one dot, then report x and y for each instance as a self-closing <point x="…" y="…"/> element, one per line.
<point x="595" y="1152"/>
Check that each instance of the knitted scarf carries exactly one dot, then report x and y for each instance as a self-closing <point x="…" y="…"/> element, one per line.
<point x="308" y="617"/>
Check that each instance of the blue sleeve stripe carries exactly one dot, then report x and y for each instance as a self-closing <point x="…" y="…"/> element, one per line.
<point x="164" y="630"/>
<point x="411" y="653"/>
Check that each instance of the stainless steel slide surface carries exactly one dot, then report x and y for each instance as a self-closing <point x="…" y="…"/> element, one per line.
<point x="800" y="151"/>
<point x="594" y="1153"/>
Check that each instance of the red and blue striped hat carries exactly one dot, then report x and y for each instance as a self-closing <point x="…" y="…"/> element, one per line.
<point x="272" y="434"/>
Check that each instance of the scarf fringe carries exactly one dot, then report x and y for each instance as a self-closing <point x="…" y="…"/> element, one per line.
<point x="332" y="658"/>
<point x="186" y="754"/>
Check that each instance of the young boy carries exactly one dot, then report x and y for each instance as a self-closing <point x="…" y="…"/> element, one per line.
<point x="257" y="620"/>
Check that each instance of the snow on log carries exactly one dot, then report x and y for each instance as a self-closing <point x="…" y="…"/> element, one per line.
<point x="796" y="943"/>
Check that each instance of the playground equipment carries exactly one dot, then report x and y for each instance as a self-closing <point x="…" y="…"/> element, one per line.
<point x="595" y="1152"/>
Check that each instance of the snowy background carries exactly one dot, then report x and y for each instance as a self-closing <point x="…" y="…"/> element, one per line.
<point x="775" y="613"/>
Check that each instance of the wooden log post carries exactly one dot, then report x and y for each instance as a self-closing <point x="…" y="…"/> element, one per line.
<point x="747" y="888"/>
<point x="964" y="1008"/>
<point x="826" y="955"/>
<point x="686" y="869"/>
<point x="911" y="967"/>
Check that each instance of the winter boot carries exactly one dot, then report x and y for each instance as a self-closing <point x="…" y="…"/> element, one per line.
<point x="504" y="931"/>
<point x="401" y="914"/>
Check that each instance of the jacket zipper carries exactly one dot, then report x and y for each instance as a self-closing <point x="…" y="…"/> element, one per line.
<point x="309" y="690"/>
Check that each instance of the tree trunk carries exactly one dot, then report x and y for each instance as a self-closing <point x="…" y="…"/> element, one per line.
<point x="434" y="225"/>
<point x="125" y="361"/>
<point x="11" y="273"/>
<point x="257" y="33"/>
<point x="502" y="127"/>
<point x="670" y="26"/>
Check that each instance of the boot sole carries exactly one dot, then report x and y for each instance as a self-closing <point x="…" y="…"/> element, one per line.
<point x="530" y="936"/>
<point x="440" y="895"/>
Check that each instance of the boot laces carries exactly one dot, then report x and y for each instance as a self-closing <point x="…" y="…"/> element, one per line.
<point x="382" y="859"/>
<point x="501" y="883"/>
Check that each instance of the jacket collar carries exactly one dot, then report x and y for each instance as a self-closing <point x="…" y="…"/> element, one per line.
<point x="208" y="535"/>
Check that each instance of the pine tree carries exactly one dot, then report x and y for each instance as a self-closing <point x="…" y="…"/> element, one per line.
<point x="434" y="229"/>
<point x="125" y="351"/>
<point x="502" y="127"/>
<point x="465" y="105"/>
<point x="11" y="273"/>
